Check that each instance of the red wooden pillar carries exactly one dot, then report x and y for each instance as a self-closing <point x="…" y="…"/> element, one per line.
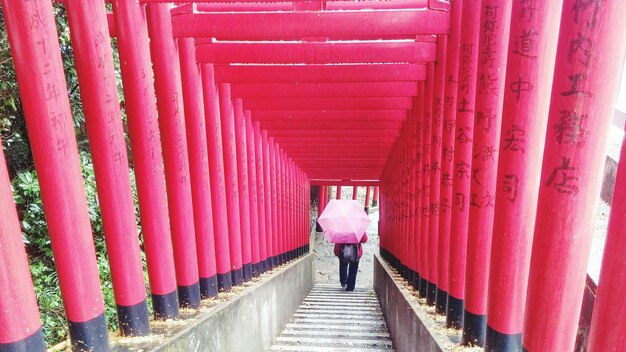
<point x="20" y="326"/>
<point x="375" y="197"/>
<point x="94" y="66"/>
<point x="273" y="172"/>
<point x="231" y="181"/>
<point x="243" y="184"/>
<point x="435" y="166"/>
<point x="527" y="93"/>
<point x="426" y="283"/>
<point x="264" y="219"/>
<point x="354" y="190"/>
<point x="216" y="172"/>
<point x="338" y="193"/>
<point x="145" y="141"/>
<point x="269" y="199"/>
<point x="198" y="167"/>
<point x="420" y="253"/>
<point x="39" y="70"/>
<point x="282" y="205"/>
<point x="254" y="200"/>
<point x="168" y="86"/>
<point x="462" y="172"/>
<point x="590" y="53"/>
<point x="607" y="325"/>
<point x="447" y="156"/>
<point x="367" y="199"/>
<point x="494" y="35"/>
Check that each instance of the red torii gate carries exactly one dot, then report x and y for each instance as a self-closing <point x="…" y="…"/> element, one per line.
<point x="235" y="133"/>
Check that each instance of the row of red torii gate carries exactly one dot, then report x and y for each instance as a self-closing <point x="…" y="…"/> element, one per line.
<point x="488" y="154"/>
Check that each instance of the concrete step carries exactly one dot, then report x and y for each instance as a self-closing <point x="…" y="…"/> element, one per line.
<point x="331" y="319"/>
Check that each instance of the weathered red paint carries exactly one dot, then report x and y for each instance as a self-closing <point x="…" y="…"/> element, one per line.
<point x="16" y="285"/>
<point x="590" y="51"/>
<point x="39" y="71"/>
<point x="144" y="135"/>
<point x="607" y="324"/>
<point x="425" y="148"/>
<point x="521" y="147"/>
<point x="254" y="200"/>
<point x="447" y="155"/>
<point x="264" y="220"/>
<point x="243" y="188"/>
<point x="462" y="168"/>
<point x="216" y="172"/>
<point x="494" y="39"/>
<point x="435" y="165"/>
<point x="166" y="64"/>
<point x="96" y="74"/>
<point x="231" y="181"/>
<point x="198" y="163"/>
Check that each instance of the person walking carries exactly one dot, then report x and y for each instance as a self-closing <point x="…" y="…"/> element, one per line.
<point x="349" y="255"/>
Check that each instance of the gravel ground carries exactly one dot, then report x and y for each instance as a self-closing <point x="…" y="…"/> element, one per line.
<point x="327" y="265"/>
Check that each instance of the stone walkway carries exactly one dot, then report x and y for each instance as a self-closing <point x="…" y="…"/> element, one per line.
<point x="333" y="320"/>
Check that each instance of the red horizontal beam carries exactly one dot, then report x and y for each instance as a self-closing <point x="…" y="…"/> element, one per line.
<point x="325" y="182"/>
<point x="333" y="133"/>
<point x="304" y="140"/>
<point x="319" y="73"/>
<point x="316" y="53"/>
<point x="329" y="115"/>
<point x="359" y="103"/>
<point x="323" y="125"/>
<point x="252" y="5"/>
<point x="324" y="90"/>
<point x="297" y="25"/>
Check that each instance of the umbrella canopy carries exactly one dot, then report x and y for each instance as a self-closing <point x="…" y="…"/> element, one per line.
<point x="344" y="221"/>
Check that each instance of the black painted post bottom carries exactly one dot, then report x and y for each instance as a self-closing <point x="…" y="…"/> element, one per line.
<point x="474" y="329"/>
<point x="454" y="312"/>
<point x="165" y="306"/>
<point x="91" y="335"/>
<point x="247" y="272"/>
<point x="431" y="293"/>
<point x="442" y="301"/>
<point x="189" y="296"/>
<point x="133" y="320"/>
<point x="208" y="287"/>
<point x="224" y="281"/>
<point x="34" y="342"/>
<point x="496" y="341"/>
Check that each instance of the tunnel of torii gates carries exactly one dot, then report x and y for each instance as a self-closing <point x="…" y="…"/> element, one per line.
<point x="488" y="156"/>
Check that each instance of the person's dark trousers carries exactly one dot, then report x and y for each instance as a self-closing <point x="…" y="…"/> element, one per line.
<point x="347" y="274"/>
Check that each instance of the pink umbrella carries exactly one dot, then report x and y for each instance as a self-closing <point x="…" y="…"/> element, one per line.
<point x="344" y="221"/>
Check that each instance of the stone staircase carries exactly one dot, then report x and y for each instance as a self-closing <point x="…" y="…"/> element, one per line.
<point x="333" y="320"/>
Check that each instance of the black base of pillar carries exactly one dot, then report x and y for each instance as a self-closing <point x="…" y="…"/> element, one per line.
<point x="374" y="203"/>
<point x="423" y="287"/>
<point x="318" y="227"/>
<point x="474" y="329"/>
<point x="454" y="313"/>
<point x="416" y="281"/>
<point x="497" y="341"/>
<point x="247" y="272"/>
<point x="442" y="301"/>
<point x="367" y="210"/>
<point x="133" y="320"/>
<point x="90" y="335"/>
<point x="189" y="296"/>
<point x="208" y="287"/>
<point x="431" y="293"/>
<point x="264" y="266"/>
<point x="165" y="306"/>
<point x="224" y="282"/>
<point x="237" y="276"/>
<point x="34" y="342"/>
<point x="256" y="269"/>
